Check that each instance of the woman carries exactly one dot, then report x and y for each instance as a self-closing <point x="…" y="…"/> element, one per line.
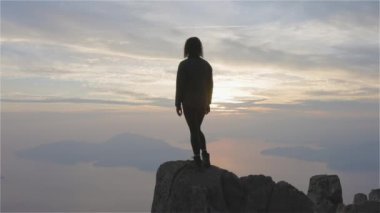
<point x="194" y="92"/>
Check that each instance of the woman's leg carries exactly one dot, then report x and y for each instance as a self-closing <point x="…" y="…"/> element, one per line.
<point x="202" y="139"/>
<point x="193" y="123"/>
<point x="194" y="118"/>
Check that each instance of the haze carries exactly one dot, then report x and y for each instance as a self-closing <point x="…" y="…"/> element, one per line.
<point x="87" y="96"/>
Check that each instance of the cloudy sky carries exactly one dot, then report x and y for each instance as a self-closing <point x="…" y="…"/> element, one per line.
<point x="296" y="91"/>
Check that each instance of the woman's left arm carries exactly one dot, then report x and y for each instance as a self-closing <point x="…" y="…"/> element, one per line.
<point x="179" y="90"/>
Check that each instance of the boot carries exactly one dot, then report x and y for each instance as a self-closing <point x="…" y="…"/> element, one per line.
<point x="206" y="159"/>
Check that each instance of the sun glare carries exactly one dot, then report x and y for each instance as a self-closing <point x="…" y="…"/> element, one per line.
<point x="230" y="92"/>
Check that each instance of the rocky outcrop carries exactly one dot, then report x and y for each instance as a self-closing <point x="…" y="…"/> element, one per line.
<point x="326" y="193"/>
<point x="361" y="204"/>
<point x="264" y="195"/>
<point x="374" y="195"/>
<point x="360" y="198"/>
<point x="366" y="207"/>
<point x="182" y="187"/>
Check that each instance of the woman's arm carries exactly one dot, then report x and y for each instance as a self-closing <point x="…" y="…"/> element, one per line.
<point x="210" y="84"/>
<point x="179" y="89"/>
<point x="210" y="87"/>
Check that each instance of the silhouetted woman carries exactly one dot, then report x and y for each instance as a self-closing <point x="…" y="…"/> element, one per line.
<point x="194" y="92"/>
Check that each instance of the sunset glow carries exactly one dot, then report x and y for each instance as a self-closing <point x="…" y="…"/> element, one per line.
<point x="97" y="80"/>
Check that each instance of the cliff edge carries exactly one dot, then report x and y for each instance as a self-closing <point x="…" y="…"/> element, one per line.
<point x="182" y="187"/>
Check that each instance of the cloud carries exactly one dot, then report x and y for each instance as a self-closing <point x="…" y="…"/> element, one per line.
<point x="122" y="151"/>
<point x="358" y="157"/>
<point x="364" y="92"/>
<point x="302" y="47"/>
<point x="329" y="106"/>
<point x="242" y="103"/>
<point x="166" y="102"/>
<point x="256" y="32"/>
<point x="68" y="100"/>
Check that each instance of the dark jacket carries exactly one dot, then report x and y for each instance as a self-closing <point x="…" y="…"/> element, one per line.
<point x="194" y="83"/>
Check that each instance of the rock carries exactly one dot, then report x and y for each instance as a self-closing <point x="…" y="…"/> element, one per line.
<point x="362" y="205"/>
<point x="182" y="187"/>
<point x="340" y="208"/>
<point x="374" y="195"/>
<point x="258" y="190"/>
<point x="264" y="195"/>
<point x="366" y="207"/>
<point x="233" y="191"/>
<point x="326" y="193"/>
<point x="164" y="180"/>
<point x="286" y="198"/>
<point x="360" y="198"/>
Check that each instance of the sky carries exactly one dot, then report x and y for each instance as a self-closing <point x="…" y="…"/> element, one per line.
<point x="87" y="96"/>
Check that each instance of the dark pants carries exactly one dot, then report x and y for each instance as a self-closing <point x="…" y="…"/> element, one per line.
<point x="194" y="118"/>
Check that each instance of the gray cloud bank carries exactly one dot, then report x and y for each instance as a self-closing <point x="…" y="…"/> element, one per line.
<point x="139" y="42"/>
<point x="146" y="101"/>
<point x="311" y="35"/>
<point x="359" y="157"/>
<point x="123" y="150"/>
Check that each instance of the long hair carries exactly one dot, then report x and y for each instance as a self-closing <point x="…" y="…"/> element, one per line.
<point x="193" y="48"/>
